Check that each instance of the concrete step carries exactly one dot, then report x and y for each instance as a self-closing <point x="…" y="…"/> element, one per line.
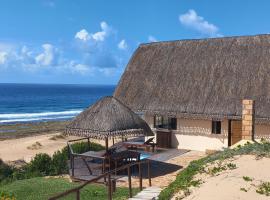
<point x="150" y="193"/>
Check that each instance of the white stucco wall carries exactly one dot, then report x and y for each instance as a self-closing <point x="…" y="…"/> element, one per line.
<point x="198" y="143"/>
<point x="195" y="134"/>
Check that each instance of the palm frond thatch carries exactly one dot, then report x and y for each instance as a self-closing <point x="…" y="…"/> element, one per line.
<point x="108" y="118"/>
<point x="204" y="78"/>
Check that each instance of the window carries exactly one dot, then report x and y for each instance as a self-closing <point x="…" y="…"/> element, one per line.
<point x="216" y="127"/>
<point x="165" y="122"/>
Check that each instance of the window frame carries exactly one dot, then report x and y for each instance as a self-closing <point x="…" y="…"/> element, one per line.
<point x="216" y="127"/>
<point x="165" y="122"/>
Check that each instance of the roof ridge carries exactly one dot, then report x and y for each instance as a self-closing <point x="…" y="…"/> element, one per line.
<point x="204" y="39"/>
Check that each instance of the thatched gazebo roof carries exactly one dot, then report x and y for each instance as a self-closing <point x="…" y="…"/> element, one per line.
<point x="108" y="118"/>
<point x="201" y="78"/>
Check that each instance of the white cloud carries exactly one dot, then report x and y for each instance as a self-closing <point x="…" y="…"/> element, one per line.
<point x="98" y="36"/>
<point x="122" y="45"/>
<point x="3" y="57"/>
<point x="152" y="38"/>
<point x="82" y="35"/>
<point x="192" y="20"/>
<point x="46" y="58"/>
<point x="80" y="68"/>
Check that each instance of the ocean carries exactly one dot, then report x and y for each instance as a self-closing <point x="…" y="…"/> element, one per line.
<point x="20" y="103"/>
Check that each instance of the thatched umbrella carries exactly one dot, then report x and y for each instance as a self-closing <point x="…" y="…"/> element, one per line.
<point x="108" y="118"/>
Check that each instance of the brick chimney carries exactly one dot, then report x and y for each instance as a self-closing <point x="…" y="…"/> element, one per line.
<point x="248" y="118"/>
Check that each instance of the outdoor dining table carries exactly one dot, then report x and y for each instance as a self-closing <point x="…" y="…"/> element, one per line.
<point x="124" y="157"/>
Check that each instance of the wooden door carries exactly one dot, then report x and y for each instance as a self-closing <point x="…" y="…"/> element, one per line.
<point x="236" y="131"/>
<point x="163" y="139"/>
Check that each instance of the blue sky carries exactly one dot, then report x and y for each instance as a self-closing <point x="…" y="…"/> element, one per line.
<point x="90" y="42"/>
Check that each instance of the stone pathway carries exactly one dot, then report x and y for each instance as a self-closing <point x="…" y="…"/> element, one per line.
<point x="150" y="193"/>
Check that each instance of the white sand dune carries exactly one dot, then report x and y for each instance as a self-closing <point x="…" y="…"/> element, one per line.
<point x="226" y="186"/>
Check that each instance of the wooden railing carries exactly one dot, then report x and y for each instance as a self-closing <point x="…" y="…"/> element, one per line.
<point x="107" y="176"/>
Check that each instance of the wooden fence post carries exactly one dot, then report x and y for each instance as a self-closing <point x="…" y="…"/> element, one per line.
<point x="129" y="182"/>
<point x="149" y="173"/>
<point x="140" y="175"/>
<point x="109" y="187"/>
<point x="88" y="141"/>
<point x="78" y="195"/>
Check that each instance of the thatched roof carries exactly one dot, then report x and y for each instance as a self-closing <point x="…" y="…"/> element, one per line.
<point x="108" y="118"/>
<point x="204" y="78"/>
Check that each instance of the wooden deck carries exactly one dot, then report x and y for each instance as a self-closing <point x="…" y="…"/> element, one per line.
<point x="158" y="162"/>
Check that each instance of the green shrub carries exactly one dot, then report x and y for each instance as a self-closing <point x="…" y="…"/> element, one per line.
<point x="44" y="165"/>
<point x="81" y="147"/>
<point x="264" y="189"/>
<point x="59" y="163"/>
<point x="246" y="178"/>
<point x="41" y="165"/>
<point x="5" y="171"/>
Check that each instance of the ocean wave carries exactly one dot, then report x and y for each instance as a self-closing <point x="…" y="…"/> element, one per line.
<point x="34" y="119"/>
<point x="42" y="114"/>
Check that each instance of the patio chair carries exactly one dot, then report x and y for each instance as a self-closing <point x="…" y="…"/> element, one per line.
<point x="134" y="145"/>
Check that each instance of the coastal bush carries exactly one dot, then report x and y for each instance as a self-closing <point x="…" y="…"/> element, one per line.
<point x="59" y="163"/>
<point x="264" y="188"/>
<point x="44" y="165"/>
<point x="41" y="165"/>
<point x="184" y="179"/>
<point x="6" y="171"/>
<point x="81" y="147"/>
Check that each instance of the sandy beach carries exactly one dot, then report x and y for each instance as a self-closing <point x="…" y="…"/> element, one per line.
<point x="22" y="148"/>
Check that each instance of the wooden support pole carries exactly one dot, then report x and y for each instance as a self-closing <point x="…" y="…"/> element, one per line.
<point x="78" y="195"/>
<point x="149" y="173"/>
<point x="140" y="175"/>
<point x="109" y="187"/>
<point x="129" y="182"/>
<point x="88" y="141"/>
<point x="106" y="144"/>
<point x="72" y="161"/>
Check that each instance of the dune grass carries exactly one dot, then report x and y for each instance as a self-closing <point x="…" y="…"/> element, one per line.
<point x="43" y="188"/>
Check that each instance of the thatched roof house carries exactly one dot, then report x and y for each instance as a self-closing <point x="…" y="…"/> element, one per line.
<point x="108" y="118"/>
<point x="199" y="79"/>
<point x="206" y="78"/>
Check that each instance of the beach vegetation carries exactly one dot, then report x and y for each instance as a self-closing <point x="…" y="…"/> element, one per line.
<point x="243" y="189"/>
<point x="43" y="164"/>
<point x="184" y="179"/>
<point x="5" y="171"/>
<point x="35" y="146"/>
<point x="57" y="137"/>
<point x="247" y="178"/>
<point x="264" y="188"/>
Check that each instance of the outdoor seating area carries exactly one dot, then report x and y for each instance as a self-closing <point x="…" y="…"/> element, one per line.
<point x="144" y="145"/>
<point x="91" y="164"/>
